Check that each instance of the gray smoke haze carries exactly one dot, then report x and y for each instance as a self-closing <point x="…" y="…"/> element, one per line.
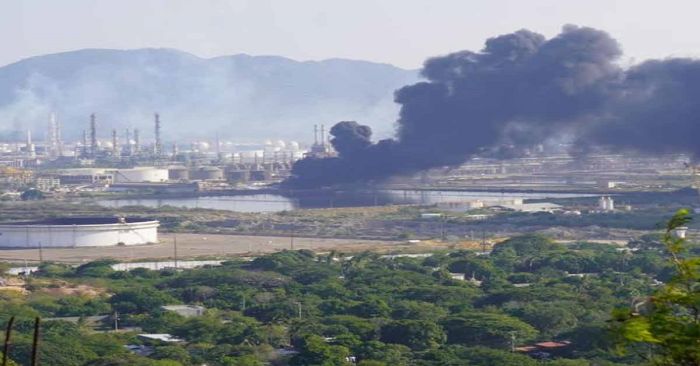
<point x="522" y="89"/>
<point x="236" y="97"/>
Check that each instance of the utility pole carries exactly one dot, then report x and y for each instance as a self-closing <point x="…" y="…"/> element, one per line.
<point x="299" y="307"/>
<point x="35" y="342"/>
<point x="175" y="248"/>
<point x="291" y="240"/>
<point x="442" y="228"/>
<point x="512" y="341"/>
<point x="41" y="253"/>
<point x="116" y="321"/>
<point x="6" y="345"/>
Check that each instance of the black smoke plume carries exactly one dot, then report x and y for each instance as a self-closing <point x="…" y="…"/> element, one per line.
<point x="521" y="89"/>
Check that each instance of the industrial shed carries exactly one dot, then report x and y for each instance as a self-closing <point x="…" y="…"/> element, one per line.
<point x="79" y="232"/>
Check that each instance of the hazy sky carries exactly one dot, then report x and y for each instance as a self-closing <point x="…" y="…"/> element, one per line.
<point x="401" y="32"/>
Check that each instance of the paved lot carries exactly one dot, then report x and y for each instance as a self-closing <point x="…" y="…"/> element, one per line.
<point x="194" y="246"/>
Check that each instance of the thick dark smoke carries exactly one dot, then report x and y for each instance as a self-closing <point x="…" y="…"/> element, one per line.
<point x="522" y="89"/>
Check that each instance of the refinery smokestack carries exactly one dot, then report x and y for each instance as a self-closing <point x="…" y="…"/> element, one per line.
<point x="31" y="151"/>
<point x="128" y="142"/>
<point x="84" y="150"/>
<point x="93" y="136"/>
<point x="137" y="142"/>
<point x="158" y="148"/>
<point x="115" y="143"/>
<point x="52" y="137"/>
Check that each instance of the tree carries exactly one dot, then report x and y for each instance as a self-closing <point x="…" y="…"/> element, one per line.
<point x="140" y="300"/>
<point x="99" y="268"/>
<point x="416" y="334"/>
<point x="173" y="353"/>
<point x="314" y="351"/>
<point x="483" y="356"/>
<point x="486" y="329"/>
<point x="669" y="328"/>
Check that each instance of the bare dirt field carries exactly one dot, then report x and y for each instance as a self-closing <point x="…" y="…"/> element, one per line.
<point x="194" y="246"/>
<point x="205" y="246"/>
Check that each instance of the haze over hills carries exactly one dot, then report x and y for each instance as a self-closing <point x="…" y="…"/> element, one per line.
<point x="240" y="97"/>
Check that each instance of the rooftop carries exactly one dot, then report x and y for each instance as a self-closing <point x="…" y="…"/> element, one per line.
<point x="80" y="221"/>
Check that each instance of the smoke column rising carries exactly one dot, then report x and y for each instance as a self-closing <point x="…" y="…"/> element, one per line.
<point x="521" y="89"/>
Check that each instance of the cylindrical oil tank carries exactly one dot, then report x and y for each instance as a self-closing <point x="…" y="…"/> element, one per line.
<point x="140" y="174"/>
<point x="259" y="175"/>
<point x="207" y="173"/>
<point x="79" y="232"/>
<point x="178" y="173"/>
<point x="237" y="176"/>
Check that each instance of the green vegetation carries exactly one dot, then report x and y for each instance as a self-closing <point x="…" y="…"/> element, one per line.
<point x="298" y="308"/>
<point x="666" y="327"/>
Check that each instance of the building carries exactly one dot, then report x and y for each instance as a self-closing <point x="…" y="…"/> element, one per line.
<point x="606" y="203"/>
<point x="71" y="232"/>
<point x="84" y="176"/>
<point x="159" y="338"/>
<point x="186" y="311"/>
<point x="45" y="184"/>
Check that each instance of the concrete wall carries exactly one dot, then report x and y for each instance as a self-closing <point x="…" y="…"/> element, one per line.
<point x="53" y="236"/>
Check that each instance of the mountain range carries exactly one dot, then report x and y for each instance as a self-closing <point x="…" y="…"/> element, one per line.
<point x="238" y="97"/>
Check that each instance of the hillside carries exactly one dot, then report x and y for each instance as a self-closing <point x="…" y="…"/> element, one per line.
<point x="239" y="97"/>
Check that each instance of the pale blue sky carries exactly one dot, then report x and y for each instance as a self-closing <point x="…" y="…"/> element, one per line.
<point x="401" y="32"/>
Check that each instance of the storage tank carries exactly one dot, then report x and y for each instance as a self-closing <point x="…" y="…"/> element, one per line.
<point x="79" y="232"/>
<point x="178" y="173"/>
<point x="237" y="176"/>
<point x="207" y="173"/>
<point x="138" y="175"/>
<point x="259" y="175"/>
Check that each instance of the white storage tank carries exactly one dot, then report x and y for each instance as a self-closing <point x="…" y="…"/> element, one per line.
<point x="139" y="175"/>
<point x="79" y="232"/>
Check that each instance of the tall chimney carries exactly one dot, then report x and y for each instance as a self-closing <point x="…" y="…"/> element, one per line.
<point x="115" y="143"/>
<point x="85" y="144"/>
<point x="93" y="136"/>
<point x="128" y="142"/>
<point x="59" y="138"/>
<point x="158" y="148"/>
<point x="137" y="142"/>
<point x="219" y="155"/>
<point x="30" y="145"/>
<point x="323" y="135"/>
<point x="52" y="137"/>
<point x="315" y="134"/>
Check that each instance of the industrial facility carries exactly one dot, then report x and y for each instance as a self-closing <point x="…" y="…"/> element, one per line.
<point x="110" y="160"/>
<point x="74" y="232"/>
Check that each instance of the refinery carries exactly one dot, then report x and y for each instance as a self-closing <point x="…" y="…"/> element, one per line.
<point x="108" y="160"/>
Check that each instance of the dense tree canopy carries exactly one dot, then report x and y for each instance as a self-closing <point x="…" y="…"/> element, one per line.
<point x="299" y="308"/>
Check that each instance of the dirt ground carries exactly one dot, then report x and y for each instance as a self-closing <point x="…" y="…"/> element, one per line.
<point x="205" y="246"/>
<point x="194" y="246"/>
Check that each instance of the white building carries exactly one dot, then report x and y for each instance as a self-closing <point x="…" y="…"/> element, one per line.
<point x="606" y="203"/>
<point x="78" y="232"/>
